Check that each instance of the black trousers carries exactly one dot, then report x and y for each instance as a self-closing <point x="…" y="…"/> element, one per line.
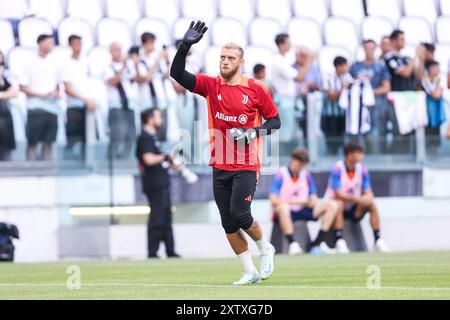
<point x="159" y="227"/>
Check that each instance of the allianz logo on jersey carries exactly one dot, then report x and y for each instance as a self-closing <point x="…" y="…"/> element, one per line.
<point x="242" y="119"/>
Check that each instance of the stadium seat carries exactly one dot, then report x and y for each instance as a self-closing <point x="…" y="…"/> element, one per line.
<point x="444" y="6"/>
<point x="128" y="11"/>
<point x="69" y="26"/>
<point x="204" y="10"/>
<point x="60" y="55"/>
<point x="52" y="10"/>
<point x="225" y="30"/>
<point x="281" y="12"/>
<point x="416" y="30"/>
<point x="98" y="59"/>
<point x="110" y="30"/>
<point x="442" y="28"/>
<point x="7" y="38"/>
<point x="245" y="13"/>
<point x="30" y="29"/>
<point x="350" y="9"/>
<point x="316" y="10"/>
<point x="376" y="27"/>
<point x="421" y="8"/>
<point x="155" y="26"/>
<point x="327" y="55"/>
<point x="409" y="50"/>
<point x="262" y="32"/>
<point x="17" y="59"/>
<point x="301" y="235"/>
<point x="341" y="32"/>
<point x="166" y="10"/>
<point x="13" y="9"/>
<point x="442" y="55"/>
<point x="306" y="32"/>
<point x="384" y="8"/>
<point x="90" y="10"/>
<point x="211" y="61"/>
<point x="179" y="29"/>
<point x="254" y="55"/>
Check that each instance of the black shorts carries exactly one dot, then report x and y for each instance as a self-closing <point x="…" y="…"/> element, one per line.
<point x="121" y="125"/>
<point x="7" y="139"/>
<point x="350" y="214"/>
<point x="76" y="124"/>
<point x="42" y="126"/>
<point x="305" y="214"/>
<point x="233" y="192"/>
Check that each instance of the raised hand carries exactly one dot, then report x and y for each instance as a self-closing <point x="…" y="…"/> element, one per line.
<point x="194" y="33"/>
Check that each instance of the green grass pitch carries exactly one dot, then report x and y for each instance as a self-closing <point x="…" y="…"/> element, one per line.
<point x="418" y="275"/>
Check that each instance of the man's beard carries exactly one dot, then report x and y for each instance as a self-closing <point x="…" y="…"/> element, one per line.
<point x="228" y="74"/>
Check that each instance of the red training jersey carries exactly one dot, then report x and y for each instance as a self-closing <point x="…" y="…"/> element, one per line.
<point x="235" y="106"/>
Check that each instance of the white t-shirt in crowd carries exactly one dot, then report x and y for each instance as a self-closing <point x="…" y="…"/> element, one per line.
<point x="76" y="71"/>
<point x="336" y="82"/>
<point x="41" y="75"/>
<point x="282" y="76"/>
<point x="131" y="88"/>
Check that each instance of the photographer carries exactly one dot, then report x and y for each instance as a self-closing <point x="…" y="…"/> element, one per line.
<point x="154" y="167"/>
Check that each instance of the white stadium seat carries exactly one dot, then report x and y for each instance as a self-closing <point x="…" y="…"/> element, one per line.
<point x="350" y="9"/>
<point x="409" y="50"/>
<point x="204" y="10"/>
<point x="17" y="59"/>
<point x="376" y="27"/>
<point x="90" y="10"/>
<point x="179" y="29"/>
<point x="166" y="10"/>
<point x="384" y="8"/>
<point x="442" y="29"/>
<point x="75" y="26"/>
<point x="326" y="56"/>
<point x="445" y="7"/>
<point x="245" y="13"/>
<point x="99" y="59"/>
<point x="262" y="32"/>
<point x="341" y="32"/>
<point x="211" y="60"/>
<point x="225" y="30"/>
<point x="13" y="9"/>
<point x="52" y="10"/>
<point x="7" y="36"/>
<point x="110" y="30"/>
<point x="316" y="9"/>
<point x="128" y="11"/>
<point x="306" y="32"/>
<point x="60" y="55"/>
<point x="281" y="12"/>
<point x="416" y="30"/>
<point x="254" y="55"/>
<point x="155" y="26"/>
<point x="421" y="8"/>
<point x="30" y="29"/>
<point x="442" y="55"/>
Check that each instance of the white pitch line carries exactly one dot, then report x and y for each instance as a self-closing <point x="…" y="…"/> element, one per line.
<point x="12" y="285"/>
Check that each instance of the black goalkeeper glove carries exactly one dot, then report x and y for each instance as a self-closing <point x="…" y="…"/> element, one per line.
<point x="195" y="33"/>
<point x="243" y="134"/>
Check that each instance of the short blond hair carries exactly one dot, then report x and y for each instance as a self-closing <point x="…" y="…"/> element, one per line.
<point x="235" y="46"/>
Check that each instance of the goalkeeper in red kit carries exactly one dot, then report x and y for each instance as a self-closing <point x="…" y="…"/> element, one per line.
<point x="236" y="105"/>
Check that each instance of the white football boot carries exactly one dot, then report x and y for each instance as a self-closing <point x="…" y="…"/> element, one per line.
<point x="326" y="249"/>
<point x="341" y="247"/>
<point x="248" y="278"/>
<point x="266" y="266"/>
<point x="381" y="246"/>
<point x="295" y="249"/>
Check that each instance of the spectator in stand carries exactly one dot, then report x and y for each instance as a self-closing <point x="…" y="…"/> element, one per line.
<point x="120" y="78"/>
<point x="259" y="73"/>
<point x="8" y="90"/>
<point x="426" y="53"/>
<point x="435" y="105"/>
<point x="385" y="46"/>
<point x="40" y="82"/>
<point x="333" y="117"/>
<point x="380" y="79"/>
<point x="312" y="81"/>
<point x="76" y="85"/>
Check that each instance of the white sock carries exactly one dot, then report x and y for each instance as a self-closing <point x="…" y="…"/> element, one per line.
<point x="247" y="262"/>
<point x="262" y="244"/>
